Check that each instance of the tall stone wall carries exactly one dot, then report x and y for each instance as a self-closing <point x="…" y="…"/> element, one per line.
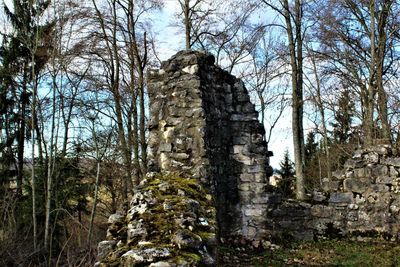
<point x="203" y="125"/>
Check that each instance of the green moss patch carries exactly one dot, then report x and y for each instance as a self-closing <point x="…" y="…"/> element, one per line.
<point x="171" y="205"/>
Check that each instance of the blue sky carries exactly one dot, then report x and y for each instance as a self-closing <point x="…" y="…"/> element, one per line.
<point x="171" y="40"/>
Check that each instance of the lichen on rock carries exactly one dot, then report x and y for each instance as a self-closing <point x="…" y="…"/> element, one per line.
<point x="171" y="222"/>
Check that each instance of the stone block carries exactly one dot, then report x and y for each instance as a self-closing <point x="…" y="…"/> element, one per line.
<point x="339" y="197"/>
<point x="137" y="257"/>
<point x="381" y="149"/>
<point x="253" y="212"/>
<point x="393" y="172"/>
<point x="385" y="180"/>
<point x="260" y="178"/>
<point x="193" y="69"/>
<point x="246" y="160"/>
<point x="117" y="218"/>
<point x="360" y="172"/>
<point x="337" y="174"/>
<point x="247" y="177"/>
<point x="358" y="154"/>
<point x="379" y="170"/>
<point x="243" y="97"/>
<point x="379" y="188"/>
<point x="257" y="138"/>
<point x="289" y="224"/>
<point x="318" y="196"/>
<point x="242" y="140"/>
<point x="194" y="113"/>
<point x="356" y="185"/>
<point x="237" y="149"/>
<point x="371" y="158"/>
<point x="268" y="199"/>
<point x="353" y="163"/>
<point x="165" y="147"/>
<point x="392" y="161"/>
<point x="329" y="186"/>
<point x="352" y="216"/>
<point x="248" y="108"/>
<point x="180" y="156"/>
<point x="322" y="211"/>
<point x="304" y="235"/>
<point x="254" y="169"/>
<point x="349" y="174"/>
<point x="105" y="247"/>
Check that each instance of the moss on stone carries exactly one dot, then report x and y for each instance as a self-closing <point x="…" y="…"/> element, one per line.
<point x="162" y="223"/>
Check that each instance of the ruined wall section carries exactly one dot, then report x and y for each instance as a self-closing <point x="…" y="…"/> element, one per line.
<point x="363" y="199"/>
<point x="204" y="126"/>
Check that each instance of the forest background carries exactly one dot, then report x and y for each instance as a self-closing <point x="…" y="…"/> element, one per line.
<point x="73" y="100"/>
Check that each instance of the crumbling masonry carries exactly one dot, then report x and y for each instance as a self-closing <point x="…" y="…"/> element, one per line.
<point x="203" y="125"/>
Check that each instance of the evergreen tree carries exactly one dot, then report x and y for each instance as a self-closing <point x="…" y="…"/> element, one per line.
<point x="23" y="54"/>
<point x="287" y="166"/>
<point x="287" y="172"/>
<point x="311" y="147"/>
<point x="313" y="163"/>
<point x="343" y="118"/>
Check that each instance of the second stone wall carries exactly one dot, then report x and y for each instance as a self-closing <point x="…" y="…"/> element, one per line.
<point x="363" y="199"/>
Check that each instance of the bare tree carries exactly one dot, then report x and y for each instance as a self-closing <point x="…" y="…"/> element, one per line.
<point x="265" y="77"/>
<point x="358" y="38"/>
<point x="317" y="99"/>
<point x="292" y="14"/>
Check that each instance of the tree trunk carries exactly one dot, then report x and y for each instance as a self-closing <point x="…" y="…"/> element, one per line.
<point x="296" y="62"/>
<point x="21" y="134"/>
<point x="321" y="110"/>
<point x="381" y="51"/>
<point x="186" y="13"/>
<point x="96" y="191"/>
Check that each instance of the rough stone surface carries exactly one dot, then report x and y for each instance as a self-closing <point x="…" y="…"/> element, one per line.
<point x="204" y="126"/>
<point x="182" y="235"/>
<point x="362" y="199"/>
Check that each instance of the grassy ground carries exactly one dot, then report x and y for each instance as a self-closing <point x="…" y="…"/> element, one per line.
<point x="324" y="253"/>
<point x="334" y="253"/>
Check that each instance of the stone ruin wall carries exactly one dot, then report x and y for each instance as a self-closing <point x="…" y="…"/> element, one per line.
<point x="203" y="125"/>
<point x="361" y="200"/>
